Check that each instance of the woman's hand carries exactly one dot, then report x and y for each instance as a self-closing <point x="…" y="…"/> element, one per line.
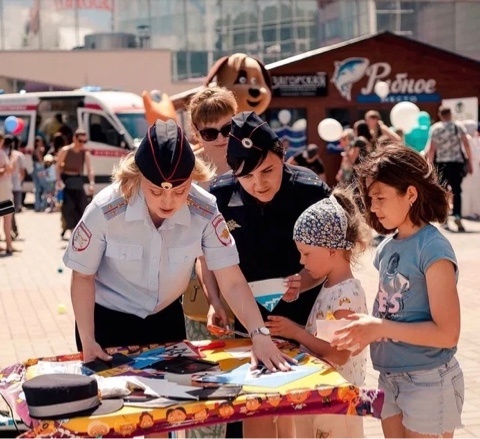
<point x="282" y="327"/>
<point x="217" y="318"/>
<point x="264" y="351"/>
<point x="359" y="334"/>
<point x="92" y="350"/>
<point x="293" y="284"/>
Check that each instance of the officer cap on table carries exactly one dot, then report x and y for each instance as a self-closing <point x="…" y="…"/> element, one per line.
<point x="251" y="138"/>
<point x="164" y="157"/>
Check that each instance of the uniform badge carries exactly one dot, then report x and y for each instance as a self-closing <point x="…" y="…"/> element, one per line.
<point x="221" y="230"/>
<point x="232" y="225"/>
<point x="81" y="237"/>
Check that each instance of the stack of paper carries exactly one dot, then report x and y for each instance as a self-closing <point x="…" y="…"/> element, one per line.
<point x="242" y="375"/>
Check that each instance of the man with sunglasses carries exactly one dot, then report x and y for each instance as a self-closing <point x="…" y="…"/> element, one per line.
<point x="71" y="162"/>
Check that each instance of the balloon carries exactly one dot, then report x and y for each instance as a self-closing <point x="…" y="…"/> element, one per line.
<point x="284" y="116"/>
<point x="299" y="125"/>
<point x="381" y="89"/>
<point x="156" y="95"/>
<point x="11" y="123"/>
<point x="424" y="119"/>
<point x="417" y="138"/>
<point x="20" y="126"/>
<point x="404" y="116"/>
<point x="330" y="130"/>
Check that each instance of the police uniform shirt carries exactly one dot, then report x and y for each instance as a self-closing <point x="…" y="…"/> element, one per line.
<point x="263" y="232"/>
<point x="141" y="269"/>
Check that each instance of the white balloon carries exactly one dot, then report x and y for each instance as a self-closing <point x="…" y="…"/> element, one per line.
<point x="299" y="125"/>
<point x="404" y="116"/>
<point x="330" y="130"/>
<point x="381" y="89"/>
<point x="284" y="116"/>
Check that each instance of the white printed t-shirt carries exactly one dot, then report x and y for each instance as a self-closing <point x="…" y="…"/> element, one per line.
<point x="346" y="295"/>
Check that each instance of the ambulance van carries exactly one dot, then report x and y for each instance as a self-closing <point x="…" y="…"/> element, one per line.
<point x="114" y="121"/>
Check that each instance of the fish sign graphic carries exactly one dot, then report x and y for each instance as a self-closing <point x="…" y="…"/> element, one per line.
<point x="347" y="73"/>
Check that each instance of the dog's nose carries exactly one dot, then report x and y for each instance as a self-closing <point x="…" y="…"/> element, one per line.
<point x="254" y="92"/>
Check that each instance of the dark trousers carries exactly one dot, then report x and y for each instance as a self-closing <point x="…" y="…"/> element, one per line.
<point x="113" y="328"/>
<point x="74" y="203"/>
<point x="451" y="174"/>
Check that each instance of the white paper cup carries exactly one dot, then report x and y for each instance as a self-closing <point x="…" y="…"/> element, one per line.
<point x="326" y="328"/>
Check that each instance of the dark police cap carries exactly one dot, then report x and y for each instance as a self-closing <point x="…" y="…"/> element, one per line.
<point x="164" y="157"/>
<point x="251" y="137"/>
<point x="61" y="395"/>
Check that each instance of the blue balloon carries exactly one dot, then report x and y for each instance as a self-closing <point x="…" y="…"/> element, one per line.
<point x="417" y="138"/>
<point x="11" y="123"/>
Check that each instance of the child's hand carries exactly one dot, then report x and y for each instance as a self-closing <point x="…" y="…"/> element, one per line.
<point x="282" y="327"/>
<point x="363" y="330"/>
<point x="293" y="284"/>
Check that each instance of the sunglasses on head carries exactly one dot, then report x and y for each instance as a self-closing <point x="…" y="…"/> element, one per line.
<point x="210" y="134"/>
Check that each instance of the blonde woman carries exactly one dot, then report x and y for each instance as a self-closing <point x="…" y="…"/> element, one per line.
<point x="133" y="252"/>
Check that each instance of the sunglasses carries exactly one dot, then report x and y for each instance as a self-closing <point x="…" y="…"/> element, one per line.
<point x="82" y="140"/>
<point x="210" y="134"/>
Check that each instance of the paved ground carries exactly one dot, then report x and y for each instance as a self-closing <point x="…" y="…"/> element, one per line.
<point x="36" y="317"/>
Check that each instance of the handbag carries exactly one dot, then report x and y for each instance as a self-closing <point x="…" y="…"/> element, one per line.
<point x="464" y="157"/>
<point x="195" y="304"/>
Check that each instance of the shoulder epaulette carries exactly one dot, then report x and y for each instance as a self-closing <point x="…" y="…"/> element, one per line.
<point x="201" y="207"/>
<point x="223" y="180"/>
<point x="114" y="208"/>
<point x="305" y="176"/>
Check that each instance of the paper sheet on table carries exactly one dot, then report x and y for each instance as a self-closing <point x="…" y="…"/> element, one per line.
<point x="166" y="389"/>
<point x="241" y="352"/>
<point x="152" y="356"/>
<point x="48" y="367"/>
<point x="268" y="292"/>
<point x="151" y="403"/>
<point x="242" y="375"/>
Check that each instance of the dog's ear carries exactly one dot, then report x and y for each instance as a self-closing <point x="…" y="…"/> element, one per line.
<point x="215" y="68"/>
<point x="266" y="75"/>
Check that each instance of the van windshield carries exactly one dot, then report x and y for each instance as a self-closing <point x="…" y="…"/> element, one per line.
<point x="135" y="124"/>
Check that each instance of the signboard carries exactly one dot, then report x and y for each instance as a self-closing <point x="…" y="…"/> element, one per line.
<point x="101" y="5"/>
<point x="463" y="108"/>
<point x="402" y="88"/>
<point x="300" y="85"/>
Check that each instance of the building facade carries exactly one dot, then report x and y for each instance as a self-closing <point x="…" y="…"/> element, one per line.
<point x="197" y="32"/>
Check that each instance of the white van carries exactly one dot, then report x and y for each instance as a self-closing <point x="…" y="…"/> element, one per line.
<point x="114" y="121"/>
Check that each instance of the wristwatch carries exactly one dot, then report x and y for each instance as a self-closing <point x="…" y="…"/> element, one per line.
<point x="263" y="330"/>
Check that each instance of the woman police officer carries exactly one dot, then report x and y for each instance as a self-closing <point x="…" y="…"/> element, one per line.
<point x="134" y="248"/>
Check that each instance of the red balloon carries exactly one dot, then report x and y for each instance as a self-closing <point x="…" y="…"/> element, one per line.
<point x="20" y="126"/>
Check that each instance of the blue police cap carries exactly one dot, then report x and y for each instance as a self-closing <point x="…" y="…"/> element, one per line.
<point x="164" y="157"/>
<point x="251" y="137"/>
<point x="250" y="140"/>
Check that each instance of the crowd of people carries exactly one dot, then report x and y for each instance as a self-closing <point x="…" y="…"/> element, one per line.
<point x="57" y="175"/>
<point x="234" y="212"/>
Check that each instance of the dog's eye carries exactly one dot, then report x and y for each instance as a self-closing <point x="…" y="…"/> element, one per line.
<point x="254" y="81"/>
<point x="242" y="80"/>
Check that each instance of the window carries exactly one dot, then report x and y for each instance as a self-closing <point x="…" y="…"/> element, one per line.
<point x="102" y="131"/>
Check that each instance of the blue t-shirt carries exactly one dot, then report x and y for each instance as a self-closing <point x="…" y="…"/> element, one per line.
<point x="402" y="297"/>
